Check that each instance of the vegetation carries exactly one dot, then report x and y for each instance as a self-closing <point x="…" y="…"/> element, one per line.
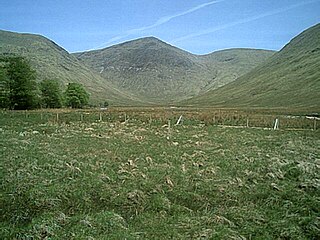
<point x="18" y="88"/>
<point x="142" y="179"/>
<point x="76" y="96"/>
<point x="290" y="78"/>
<point x="4" y="87"/>
<point x="51" y="94"/>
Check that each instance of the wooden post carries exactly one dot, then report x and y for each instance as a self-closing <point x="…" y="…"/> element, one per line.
<point x="57" y="117"/>
<point x="169" y="127"/>
<point x="81" y="117"/>
<point x="100" y="117"/>
<point x="125" y="117"/>
<point x="247" y="122"/>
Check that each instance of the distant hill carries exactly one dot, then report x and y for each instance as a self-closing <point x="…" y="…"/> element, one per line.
<point x="160" y="73"/>
<point x="290" y="78"/>
<point x="53" y="62"/>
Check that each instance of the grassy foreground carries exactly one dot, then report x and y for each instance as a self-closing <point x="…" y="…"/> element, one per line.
<point x="136" y="180"/>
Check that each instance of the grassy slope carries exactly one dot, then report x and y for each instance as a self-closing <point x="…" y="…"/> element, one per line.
<point x="135" y="181"/>
<point x="53" y="62"/>
<point x="290" y="78"/>
<point x="162" y="73"/>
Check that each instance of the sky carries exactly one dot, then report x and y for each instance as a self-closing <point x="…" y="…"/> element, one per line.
<point x="197" y="26"/>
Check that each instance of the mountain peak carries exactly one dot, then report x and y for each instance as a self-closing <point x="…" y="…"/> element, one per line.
<point x="144" y="42"/>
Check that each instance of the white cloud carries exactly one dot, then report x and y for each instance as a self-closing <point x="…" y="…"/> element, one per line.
<point x="159" y="22"/>
<point x="242" y="21"/>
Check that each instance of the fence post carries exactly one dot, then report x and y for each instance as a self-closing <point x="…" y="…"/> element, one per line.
<point x="247" y="122"/>
<point x="179" y="120"/>
<point x="276" y="124"/>
<point x="57" y="117"/>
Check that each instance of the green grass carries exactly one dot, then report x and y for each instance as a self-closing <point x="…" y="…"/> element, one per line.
<point x="136" y="180"/>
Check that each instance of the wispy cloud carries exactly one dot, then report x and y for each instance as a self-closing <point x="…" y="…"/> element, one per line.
<point x="159" y="22"/>
<point x="242" y="21"/>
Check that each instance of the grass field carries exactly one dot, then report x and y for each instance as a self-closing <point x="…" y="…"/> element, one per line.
<point x="143" y="179"/>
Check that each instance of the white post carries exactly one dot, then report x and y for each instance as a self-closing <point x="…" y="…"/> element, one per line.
<point x="276" y="124"/>
<point x="179" y="120"/>
<point x="100" y="117"/>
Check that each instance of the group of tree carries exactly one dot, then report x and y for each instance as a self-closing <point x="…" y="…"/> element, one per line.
<point x="20" y="91"/>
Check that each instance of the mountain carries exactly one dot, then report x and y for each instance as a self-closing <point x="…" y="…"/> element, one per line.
<point x="160" y="73"/>
<point x="290" y="78"/>
<point x="53" y="62"/>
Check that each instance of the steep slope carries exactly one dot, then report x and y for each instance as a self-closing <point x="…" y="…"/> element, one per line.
<point x="53" y="62"/>
<point x="291" y="78"/>
<point x="161" y="73"/>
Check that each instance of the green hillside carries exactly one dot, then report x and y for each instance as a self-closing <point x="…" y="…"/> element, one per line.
<point x="291" y="78"/>
<point x="53" y="62"/>
<point x="161" y="73"/>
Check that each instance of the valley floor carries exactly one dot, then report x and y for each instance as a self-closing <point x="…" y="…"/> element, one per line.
<point x="149" y="179"/>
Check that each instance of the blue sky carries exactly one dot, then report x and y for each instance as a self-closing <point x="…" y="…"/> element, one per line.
<point x="198" y="26"/>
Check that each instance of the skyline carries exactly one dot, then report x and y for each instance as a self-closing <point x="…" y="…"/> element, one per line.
<point x="199" y="27"/>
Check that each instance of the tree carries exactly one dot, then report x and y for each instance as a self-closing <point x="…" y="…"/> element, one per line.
<point x="21" y="84"/>
<point x="76" y="96"/>
<point x="4" y="88"/>
<point x="51" y="96"/>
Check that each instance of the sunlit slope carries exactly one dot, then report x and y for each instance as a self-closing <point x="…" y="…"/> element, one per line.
<point x="53" y="62"/>
<point x="291" y="78"/>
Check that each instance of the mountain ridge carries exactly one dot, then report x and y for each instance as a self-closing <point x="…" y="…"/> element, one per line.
<point x="157" y="71"/>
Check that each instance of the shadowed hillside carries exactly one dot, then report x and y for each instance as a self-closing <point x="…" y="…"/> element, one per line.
<point x="291" y="78"/>
<point x="159" y="72"/>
